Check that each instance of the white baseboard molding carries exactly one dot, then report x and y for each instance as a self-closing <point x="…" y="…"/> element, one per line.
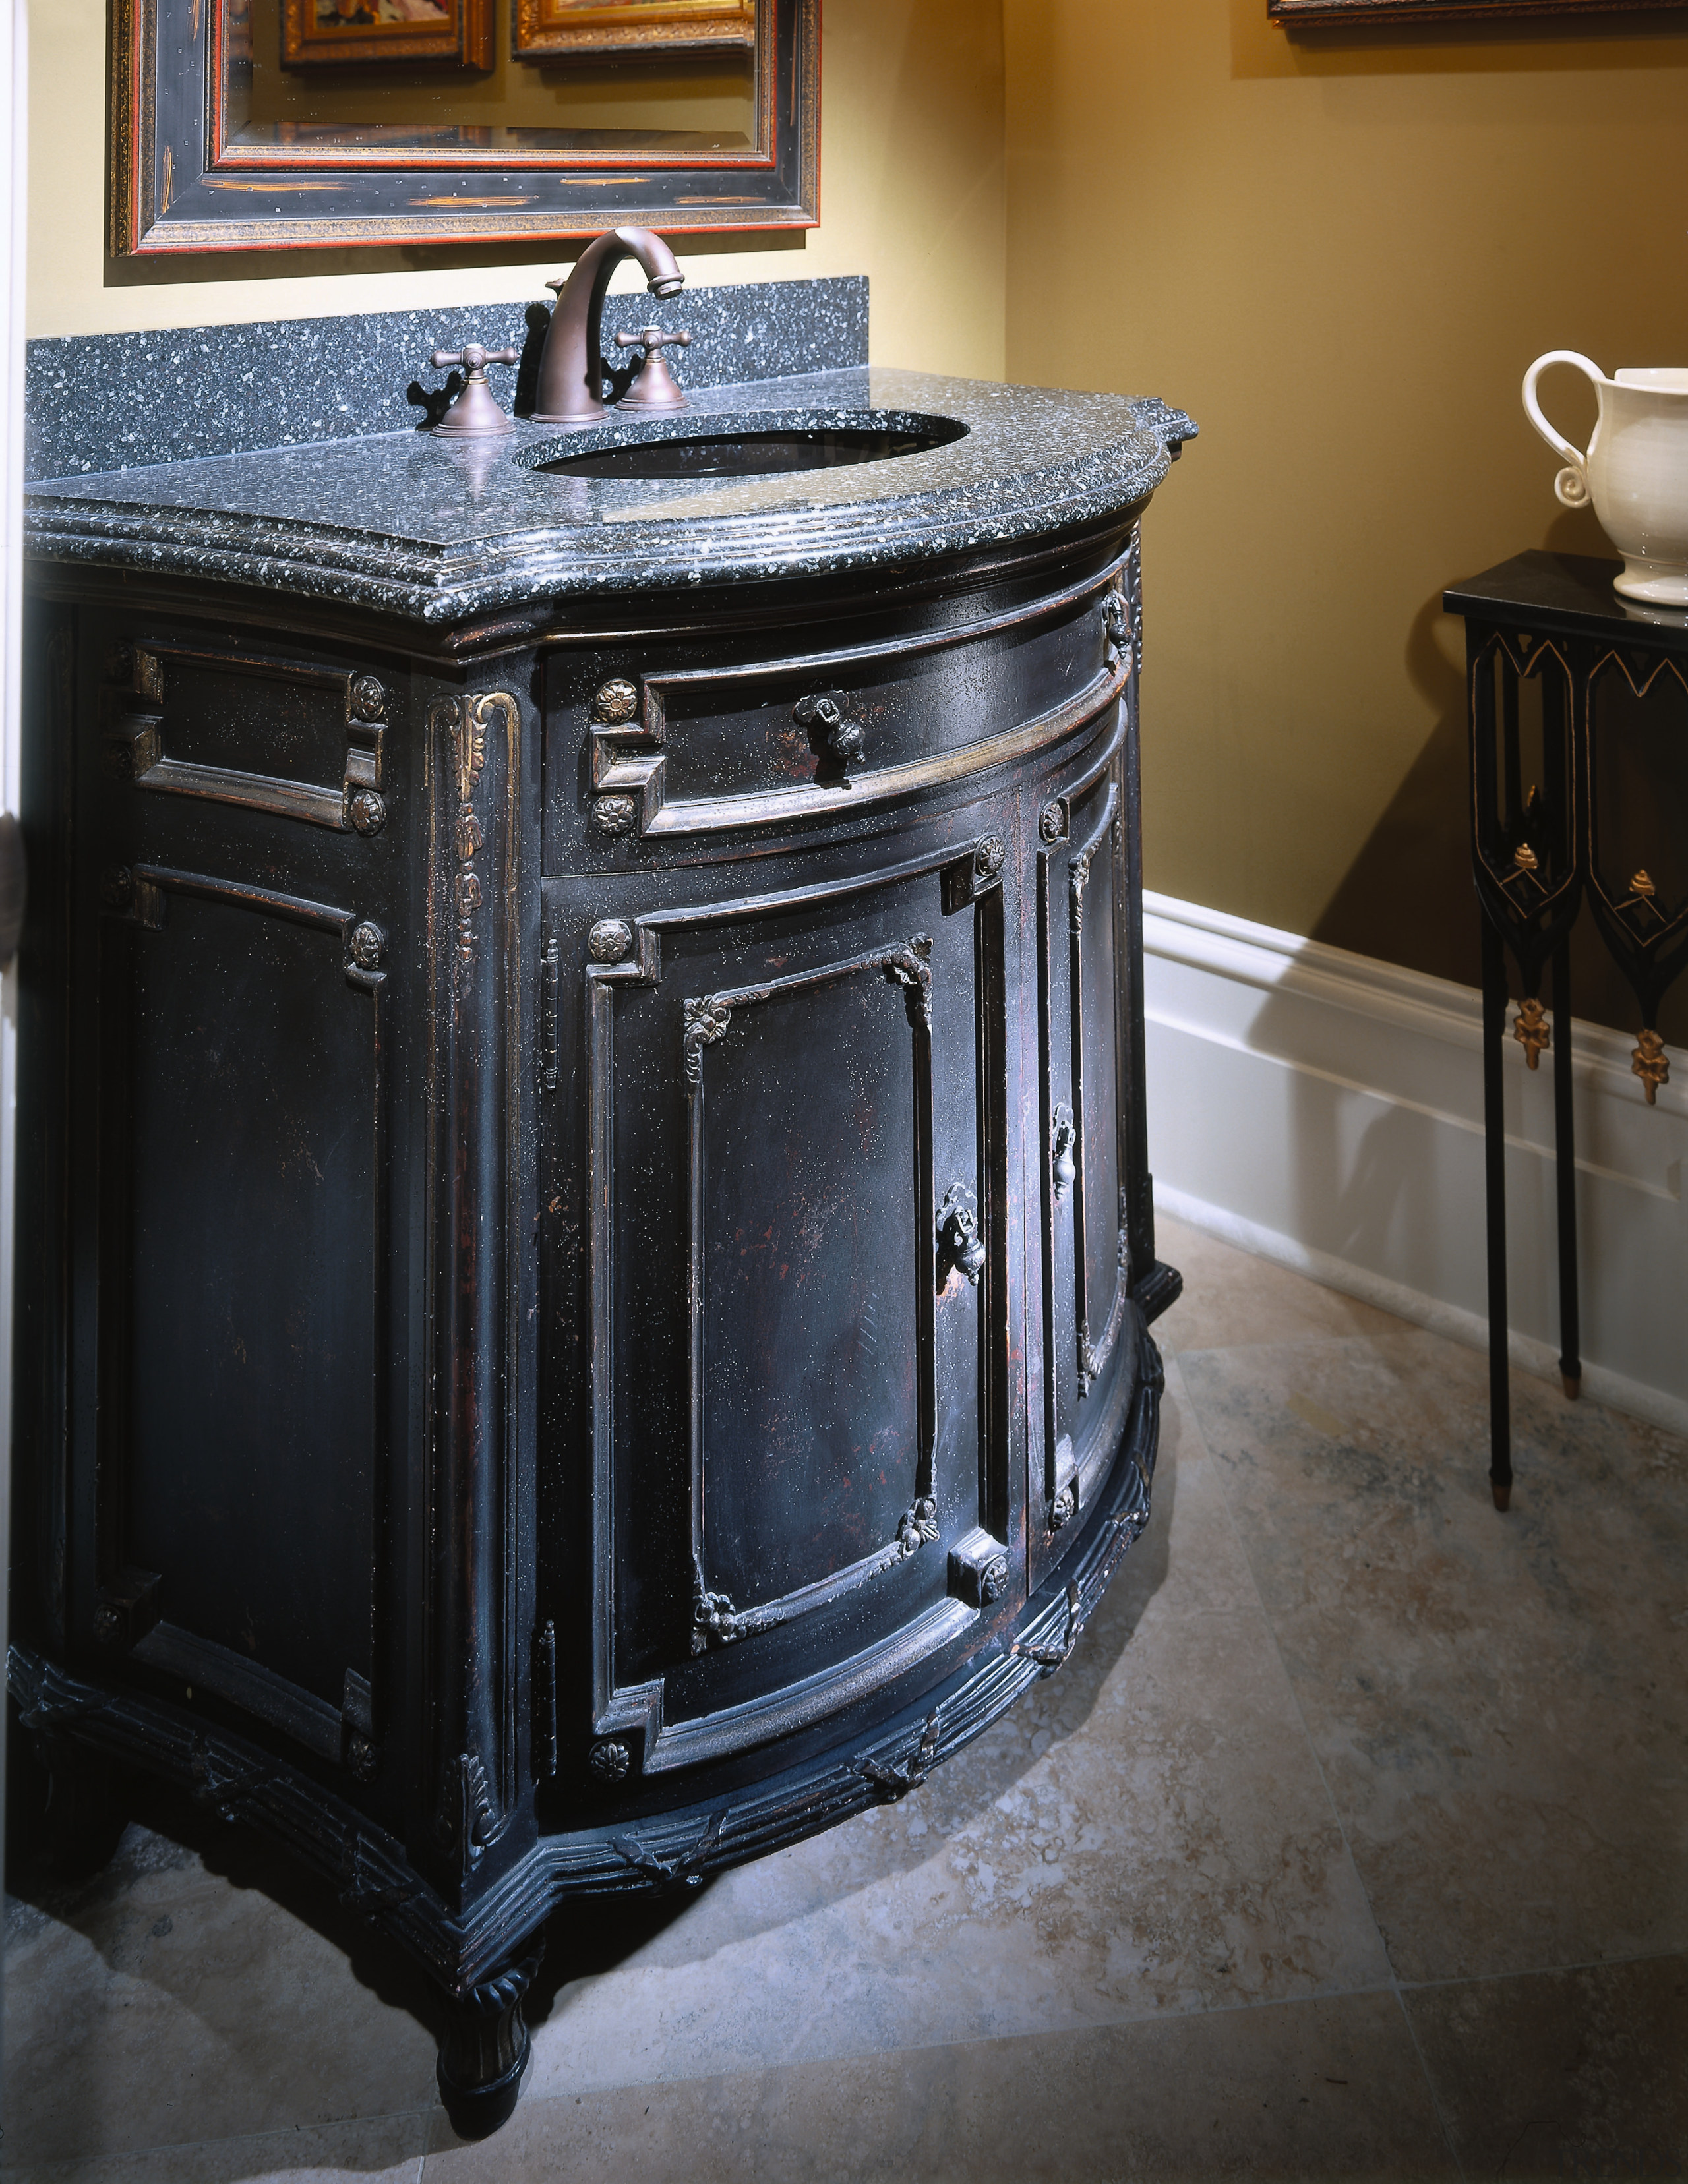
<point x="1540" y="1358"/>
<point x="1325" y="1110"/>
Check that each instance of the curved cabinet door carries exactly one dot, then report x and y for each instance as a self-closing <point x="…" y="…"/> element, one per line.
<point x="795" y="1279"/>
<point x="1091" y="1326"/>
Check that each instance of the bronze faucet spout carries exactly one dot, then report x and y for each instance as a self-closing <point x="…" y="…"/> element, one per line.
<point x="570" y="368"/>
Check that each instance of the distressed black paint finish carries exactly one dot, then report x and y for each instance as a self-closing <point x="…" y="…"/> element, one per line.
<point x="605" y="1320"/>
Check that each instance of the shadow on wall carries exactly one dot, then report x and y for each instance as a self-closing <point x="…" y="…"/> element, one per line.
<point x="1408" y="898"/>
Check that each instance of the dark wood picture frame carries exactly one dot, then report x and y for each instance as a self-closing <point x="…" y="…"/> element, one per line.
<point x="539" y="28"/>
<point x="463" y="35"/>
<point x="182" y="180"/>
<point x="1307" y="15"/>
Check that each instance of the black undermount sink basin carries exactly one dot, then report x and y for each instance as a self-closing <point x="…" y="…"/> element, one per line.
<point x="697" y="446"/>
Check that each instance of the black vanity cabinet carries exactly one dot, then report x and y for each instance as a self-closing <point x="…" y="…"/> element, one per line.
<point x="587" y="1181"/>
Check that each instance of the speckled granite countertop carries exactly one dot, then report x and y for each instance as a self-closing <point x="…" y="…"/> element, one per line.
<point x="435" y="531"/>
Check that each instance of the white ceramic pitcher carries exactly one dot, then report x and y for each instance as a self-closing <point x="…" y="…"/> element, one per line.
<point x="1636" y="471"/>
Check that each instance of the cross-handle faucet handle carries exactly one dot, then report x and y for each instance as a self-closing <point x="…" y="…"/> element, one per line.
<point x="652" y="337"/>
<point x="655" y="386"/>
<point x="475" y="415"/>
<point x="474" y="357"/>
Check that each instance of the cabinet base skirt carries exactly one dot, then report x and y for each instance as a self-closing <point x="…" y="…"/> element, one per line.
<point x="483" y="1956"/>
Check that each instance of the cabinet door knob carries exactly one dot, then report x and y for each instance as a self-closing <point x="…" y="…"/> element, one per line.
<point x="839" y="737"/>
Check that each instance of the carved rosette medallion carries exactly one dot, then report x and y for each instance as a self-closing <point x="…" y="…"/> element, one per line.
<point x="615" y="815"/>
<point x="367" y="945"/>
<point x="368" y="811"/>
<point x="1052" y="821"/>
<point x="609" y="940"/>
<point x="611" y="1761"/>
<point x="368" y="698"/>
<point x="615" y="704"/>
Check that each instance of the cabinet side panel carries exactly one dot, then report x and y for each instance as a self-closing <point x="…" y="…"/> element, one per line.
<point x="250" y="1462"/>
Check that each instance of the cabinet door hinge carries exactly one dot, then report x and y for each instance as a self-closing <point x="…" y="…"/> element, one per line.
<point x="550" y="974"/>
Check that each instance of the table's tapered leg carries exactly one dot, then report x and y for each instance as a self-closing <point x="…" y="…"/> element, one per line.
<point x="1565" y="1143"/>
<point x="1494" y="1168"/>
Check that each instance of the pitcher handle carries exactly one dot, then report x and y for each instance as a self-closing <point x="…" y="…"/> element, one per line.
<point x="1571" y="485"/>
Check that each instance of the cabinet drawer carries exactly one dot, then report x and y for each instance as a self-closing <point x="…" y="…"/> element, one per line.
<point x="703" y="750"/>
<point x="301" y="740"/>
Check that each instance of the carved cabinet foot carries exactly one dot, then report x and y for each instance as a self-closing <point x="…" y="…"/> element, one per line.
<point x="85" y="1817"/>
<point x="484" y="2055"/>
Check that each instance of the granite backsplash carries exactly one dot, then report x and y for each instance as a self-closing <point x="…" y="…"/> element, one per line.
<point x="107" y="402"/>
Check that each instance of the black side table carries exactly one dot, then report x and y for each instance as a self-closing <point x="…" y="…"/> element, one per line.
<point x="1539" y="849"/>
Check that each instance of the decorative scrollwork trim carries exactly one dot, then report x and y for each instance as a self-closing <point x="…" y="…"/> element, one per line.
<point x="716" y="1622"/>
<point x="1093" y="1356"/>
<point x="685" y="1871"/>
<point x="468" y="1821"/>
<point x="708" y="1018"/>
<point x="896" y="1781"/>
<point x="910" y="967"/>
<point x="1049" y="1658"/>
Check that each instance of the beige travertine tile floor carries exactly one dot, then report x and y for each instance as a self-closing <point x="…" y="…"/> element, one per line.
<point x="1349" y="1844"/>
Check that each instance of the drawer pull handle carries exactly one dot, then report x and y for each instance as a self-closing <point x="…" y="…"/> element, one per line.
<point x="1062" y="1139"/>
<point x="959" y="1243"/>
<point x="840" y="738"/>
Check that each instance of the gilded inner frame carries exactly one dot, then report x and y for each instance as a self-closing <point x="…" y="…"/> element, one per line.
<point x="342" y="31"/>
<point x="540" y="27"/>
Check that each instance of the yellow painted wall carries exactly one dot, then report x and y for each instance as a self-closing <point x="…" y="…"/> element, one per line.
<point x="911" y="194"/>
<point x="1340" y="253"/>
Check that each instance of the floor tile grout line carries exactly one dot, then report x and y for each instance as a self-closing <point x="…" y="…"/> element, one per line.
<point x="1313" y="1754"/>
<point x="1541" y="1971"/>
<point x="1302" y="1342"/>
